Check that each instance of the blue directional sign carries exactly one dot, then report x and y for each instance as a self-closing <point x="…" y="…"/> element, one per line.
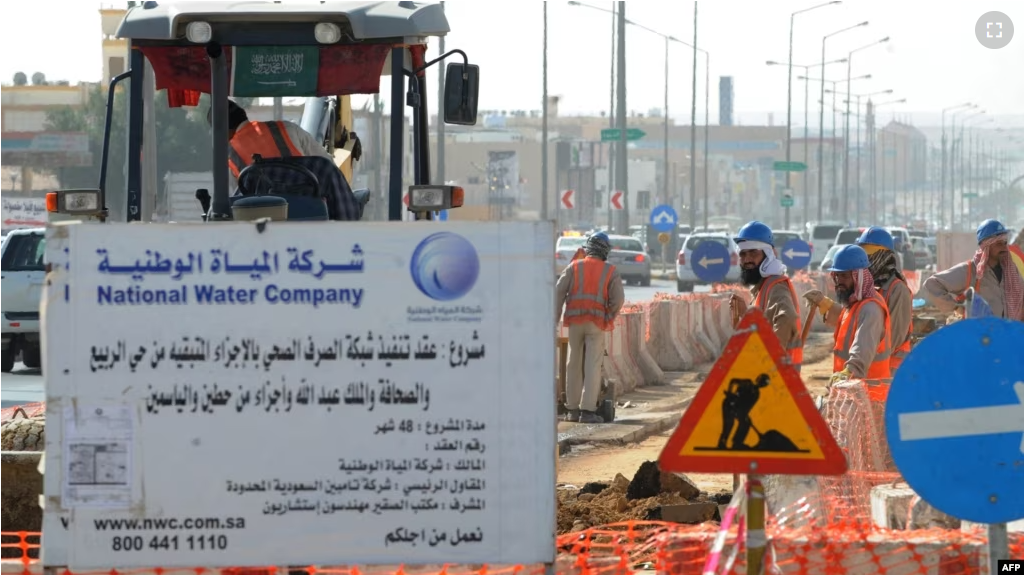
<point x="955" y="428"/>
<point x="795" y="254"/>
<point x="663" y="218"/>
<point x="710" y="261"/>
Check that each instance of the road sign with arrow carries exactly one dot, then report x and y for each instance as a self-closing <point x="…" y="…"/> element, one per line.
<point x="663" y="218"/>
<point x="795" y="254"/>
<point x="616" y="200"/>
<point x="567" y="199"/>
<point x="710" y="261"/>
<point x="955" y="428"/>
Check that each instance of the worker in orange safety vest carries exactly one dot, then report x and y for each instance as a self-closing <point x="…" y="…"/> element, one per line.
<point x="771" y="289"/>
<point x="591" y="293"/>
<point x="278" y="139"/>
<point x="861" y="339"/>
<point x="885" y="268"/>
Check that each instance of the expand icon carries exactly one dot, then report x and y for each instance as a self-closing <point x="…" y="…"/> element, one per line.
<point x="444" y="266"/>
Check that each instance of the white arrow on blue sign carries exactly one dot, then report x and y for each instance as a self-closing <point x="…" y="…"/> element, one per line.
<point x="663" y="218"/>
<point x="795" y="254"/>
<point x="710" y="261"/>
<point x="954" y="420"/>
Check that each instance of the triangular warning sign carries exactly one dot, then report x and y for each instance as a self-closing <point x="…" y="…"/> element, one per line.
<point x="753" y="415"/>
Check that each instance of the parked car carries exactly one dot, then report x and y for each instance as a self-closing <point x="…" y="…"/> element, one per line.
<point x="847" y="236"/>
<point x="822" y="236"/>
<point x="923" y="256"/>
<point x="902" y="245"/>
<point x="627" y="255"/>
<point x="630" y="259"/>
<point x="565" y="247"/>
<point x="827" y="260"/>
<point x="20" y="296"/>
<point x="686" y="279"/>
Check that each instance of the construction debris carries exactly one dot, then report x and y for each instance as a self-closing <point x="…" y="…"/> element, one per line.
<point x="642" y="498"/>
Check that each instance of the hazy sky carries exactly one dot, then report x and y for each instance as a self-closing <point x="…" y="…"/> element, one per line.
<point x="933" y="58"/>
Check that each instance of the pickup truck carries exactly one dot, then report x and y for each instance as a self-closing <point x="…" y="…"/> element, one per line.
<point x="20" y="296"/>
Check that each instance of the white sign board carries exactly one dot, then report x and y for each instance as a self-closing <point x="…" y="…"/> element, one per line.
<point x="308" y="394"/>
<point x="18" y="213"/>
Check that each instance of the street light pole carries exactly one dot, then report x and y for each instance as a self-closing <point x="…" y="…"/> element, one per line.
<point x="622" y="183"/>
<point x="857" y="162"/>
<point x="847" y="127"/>
<point x="665" y="131"/>
<point x="790" y="87"/>
<point x="822" y="107"/>
<point x="693" y="132"/>
<point x="544" y="118"/>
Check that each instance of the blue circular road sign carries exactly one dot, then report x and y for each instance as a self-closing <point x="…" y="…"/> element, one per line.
<point x="955" y="426"/>
<point x="663" y="218"/>
<point x="795" y="254"/>
<point x="710" y="261"/>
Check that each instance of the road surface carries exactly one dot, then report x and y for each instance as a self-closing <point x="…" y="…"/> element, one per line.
<point x="22" y="385"/>
<point x="25" y="385"/>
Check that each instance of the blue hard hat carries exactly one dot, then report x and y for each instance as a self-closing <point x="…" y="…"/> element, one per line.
<point x="876" y="236"/>
<point x="849" y="258"/>
<point x="988" y="229"/>
<point x="755" y="232"/>
<point x="599" y="236"/>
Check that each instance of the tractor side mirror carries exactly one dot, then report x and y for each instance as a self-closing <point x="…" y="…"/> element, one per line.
<point x="461" y="87"/>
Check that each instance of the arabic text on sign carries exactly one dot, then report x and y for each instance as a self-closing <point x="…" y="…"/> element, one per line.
<point x="272" y="64"/>
<point x="220" y="261"/>
<point x="282" y="397"/>
<point x="247" y="353"/>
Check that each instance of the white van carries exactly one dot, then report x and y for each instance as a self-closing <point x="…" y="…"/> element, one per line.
<point x="22" y="289"/>
<point x="822" y="236"/>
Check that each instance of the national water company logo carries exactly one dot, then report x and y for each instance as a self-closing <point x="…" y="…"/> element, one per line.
<point x="444" y="266"/>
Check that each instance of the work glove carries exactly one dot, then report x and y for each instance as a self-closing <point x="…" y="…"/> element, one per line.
<point x="839" y="376"/>
<point x="819" y="300"/>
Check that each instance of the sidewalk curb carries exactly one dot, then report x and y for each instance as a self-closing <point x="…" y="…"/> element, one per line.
<point x="630" y="433"/>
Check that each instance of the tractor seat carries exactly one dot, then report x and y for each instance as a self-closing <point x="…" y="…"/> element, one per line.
<point x="313" y="186"/>
<point x="287" y="179"/>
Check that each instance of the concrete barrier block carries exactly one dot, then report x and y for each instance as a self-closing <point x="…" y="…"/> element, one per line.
<point x="681" y="331"/>
<point x="704" y="349"/>
<point x="710" y="324"/>
<point x="662" y="339"/>
<point x="651" y="373"/>
<point x="618" y="364"/>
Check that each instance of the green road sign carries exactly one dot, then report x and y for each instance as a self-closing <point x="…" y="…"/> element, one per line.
<point x="789" y="166"/>
<point x="613" y="134"/>
<point x="786" y="202"/>
<point x="970" y="195"/>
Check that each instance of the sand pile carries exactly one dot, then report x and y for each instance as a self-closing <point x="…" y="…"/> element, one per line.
<point x="595" y="504"/>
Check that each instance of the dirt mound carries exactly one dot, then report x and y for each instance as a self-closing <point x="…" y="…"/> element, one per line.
<point x="600" y="503"/>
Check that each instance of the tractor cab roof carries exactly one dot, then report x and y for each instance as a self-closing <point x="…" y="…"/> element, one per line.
<point x="407" y="22"/>
<point x="278" y="47"/>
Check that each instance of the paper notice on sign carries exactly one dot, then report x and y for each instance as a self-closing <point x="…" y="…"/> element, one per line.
<point x="98" y="456"/>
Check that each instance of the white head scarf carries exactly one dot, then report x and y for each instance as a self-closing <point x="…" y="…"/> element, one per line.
<point x="770" y="265"/>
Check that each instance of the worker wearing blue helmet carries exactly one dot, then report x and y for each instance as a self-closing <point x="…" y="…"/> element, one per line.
<point x="884" y="265"/>
<point x="771" y="290"/>
<point x="591" y="293"/>
<point x="861" y="340"/>
<point x="991" y="273"/>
